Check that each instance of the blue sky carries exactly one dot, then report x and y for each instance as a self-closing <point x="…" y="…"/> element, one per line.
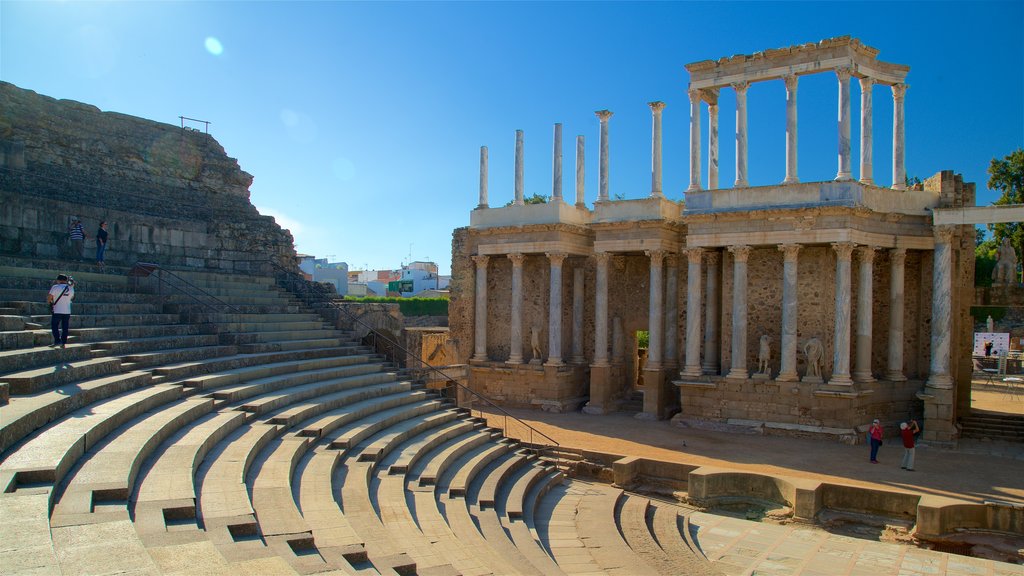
<point x="362" y="122"/>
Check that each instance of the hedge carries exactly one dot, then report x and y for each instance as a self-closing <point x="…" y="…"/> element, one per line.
<point x="410" y="306"/>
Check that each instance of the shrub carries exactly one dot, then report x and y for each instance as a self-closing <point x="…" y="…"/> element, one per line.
<point x="409" y="306"/>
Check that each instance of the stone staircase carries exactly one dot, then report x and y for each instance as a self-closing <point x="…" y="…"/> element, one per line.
<point x="993" y="426"/>
<point x="168" y="438"/>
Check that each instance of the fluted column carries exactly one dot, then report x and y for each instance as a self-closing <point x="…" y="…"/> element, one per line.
<point x="602" y="177"/>
<point x="942" y="310"/>
<point x="580" y="202"/>
<point x="656" y="319"/>
<point x="671" y="356"/>
<point x="844" y="173"/>
<point x="711" y="97"/>
<point x="712" y="314"/>
<point x="601" y="309"/>
<point x="739" y="312"/>
<point x="656" y="108"/>
<point x="790" y="310"/>
<point x="866" y="136"/>
<point x="577" y="314"/>
<point x="694" y="140"/>
<point x="741" y="134"/>
<point x="865" y="304"/>
<point x="841" y="353"/>
<point x="516" y="322"/>
<point x="897" y="263"/>
<point x="556" y="165"/>
<point x="480" y="314"/>
<point x="519" y="201"/>
<point x="483" y="178"/>
<point x="899" y="153"/>
<point x="791" y="139"/>
<point x="693" y="296"/>
<point x="555" y="309"/>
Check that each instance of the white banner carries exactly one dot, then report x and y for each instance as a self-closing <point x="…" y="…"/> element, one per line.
<point x="1000" y="343"/>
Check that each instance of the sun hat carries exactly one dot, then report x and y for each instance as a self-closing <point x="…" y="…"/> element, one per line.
<point x="903" y="425"/>
<point x="876" y="421"/>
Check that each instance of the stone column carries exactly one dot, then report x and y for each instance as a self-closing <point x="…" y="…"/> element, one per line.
<point x="483" y="178"/>
<point x="556" y="165"/>
<point x="711" y="97"/>
<point x="577" y="314"/>
<point x="791" y="140"/>
<point x="555" y="309"/>
<point x="480" y="315"/>
<point x="865" y="304"/>
<point x="694" y="140"/>
<point x="844" y="172"/>
<point x="656" y="318"/>
<point x="866" y="137"/>
<point x="942" y="318"/>
<point x="898" y="260"/>
<point x="516" y="322"/>
<point x="601" y="309"/>
<point x="602" y="177"/>
<point x="790" y="309"/>
<point x="580" y="203"/>
<point x="739" y="312"/>
<point x="656" y="108"/>
<point x="741" y="134"/>
<point x="712" y="314"/>
<point x="841" y="353"/>
<point x="671" y="356"/>
<point x="899" y="153"/>
<point x="519" y="201"/>
<point x="693" y="297"/>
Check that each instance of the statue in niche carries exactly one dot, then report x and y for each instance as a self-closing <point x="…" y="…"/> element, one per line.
<point x="764" y="355"/>
<point x="1005" y="271"/>
<point x="535" y="344"/>
<point x="814" y="351"/>
<point x="990" y="324"/>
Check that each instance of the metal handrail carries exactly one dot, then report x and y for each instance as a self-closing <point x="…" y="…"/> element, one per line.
<point x="145" y="269"/>
<point x="294" y="279"/>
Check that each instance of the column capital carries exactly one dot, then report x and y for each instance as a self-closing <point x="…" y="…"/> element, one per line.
<point x="657" y="256"/>
<point x="604" y="115"/>
<point x="844" y="73"/>
<point x="899" y="91"/>
<point x="657" y="106"/>
<point x="866" y="253"/>
<point x="740" y="252"/>
<point x="790" y="251"/>
<point x="944" y="233"/>
<point x="791" y="81"/>
<point x="898" y="255"/>
<point x="844" y="250"/>
<point x="740" y="87"/>
<point x="556" y="258"/>
<point x="710" y="96"/>
<point x="694" y="94"/>
<point x="866" y="84"/>
<point x="694" y="255"/>
<point x="602" y="257"/>
<point x="517" y="259"/>
<point x="481" y="260"/>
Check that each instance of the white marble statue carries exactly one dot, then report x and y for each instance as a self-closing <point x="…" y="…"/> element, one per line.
<point x="990" y="324"/>
<point x="535" y="344"/>
<point x="1005" y="271"/>
<point x="814" y="351"/>
<point x="764" y="355"/>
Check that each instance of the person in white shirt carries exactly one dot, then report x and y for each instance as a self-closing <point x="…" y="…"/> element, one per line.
<point x="59" y="299"/>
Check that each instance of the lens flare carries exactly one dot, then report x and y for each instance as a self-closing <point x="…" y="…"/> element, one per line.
<point x="213" y="46"/>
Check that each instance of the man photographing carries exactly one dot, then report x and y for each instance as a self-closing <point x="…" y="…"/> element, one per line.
<point x="59" y="299"/>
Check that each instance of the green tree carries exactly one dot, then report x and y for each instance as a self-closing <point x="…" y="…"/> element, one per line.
<point x="1007" y="176"/>
<point x="535" y="199"/>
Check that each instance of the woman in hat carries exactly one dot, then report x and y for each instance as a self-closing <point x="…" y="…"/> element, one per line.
<point x="875" y="434"/>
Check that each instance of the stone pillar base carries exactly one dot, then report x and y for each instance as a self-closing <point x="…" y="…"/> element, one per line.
<point x="737" y="374"/>
<point x="895" y="377"/>
<point x="600" y="390"/>
<point x="811" y="379"/>
<point x="863" y="377"/>
<point x="938" y="426"/>
<point x="790" y="377"/>
<point x="658" y="398"/>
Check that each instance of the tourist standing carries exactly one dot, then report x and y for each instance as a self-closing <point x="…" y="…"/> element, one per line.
<point x="77" y="235"/>
<point x="59" y="299"/>
<point x="101" y="243"/>
<point x="907" y="431"/>
<point x="875" y="434"/>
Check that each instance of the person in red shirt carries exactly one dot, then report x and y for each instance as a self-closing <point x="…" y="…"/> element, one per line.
<point x="907" y="432"/>
<point x="875" y="434"/>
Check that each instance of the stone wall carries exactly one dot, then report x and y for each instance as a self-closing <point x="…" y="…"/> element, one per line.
<point x="169" y="195"/>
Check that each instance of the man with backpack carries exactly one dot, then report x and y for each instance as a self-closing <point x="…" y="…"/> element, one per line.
<point x="59" y="299"/>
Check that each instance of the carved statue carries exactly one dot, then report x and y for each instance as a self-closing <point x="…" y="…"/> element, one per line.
<point x="764" y="354"/>
<point x="814" y="351"/>
<point x="1005" y="271"/>
<point x="535" y="342"/>
<point x="990" y="324"/>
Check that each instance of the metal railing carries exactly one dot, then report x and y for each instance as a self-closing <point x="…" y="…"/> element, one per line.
<point x="313" y="293"/>
<point x="167" y="279"/>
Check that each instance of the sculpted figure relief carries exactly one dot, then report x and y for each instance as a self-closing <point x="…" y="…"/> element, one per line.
<point x="814" y="351"/>
<point x="764" y="355"/>
<point x="1006" y="264"/>
<point x="535" y="344"/>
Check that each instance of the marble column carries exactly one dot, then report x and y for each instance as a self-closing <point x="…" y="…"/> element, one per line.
<point x="694" y="140"/>
<point x="712" y="313"/>
<point x="741" y="134"/>
<point x="899" y="153"/>
<point x="483" y="178"/>
<point x="516" y="322"/>
<point x="519" y="201"/>
<point x="555" y="309"/>
<point x="577" y="314"/>
<point x="480" y="315"/>
<point x="865" y="302"/>
<point x="790" y="309"/>
<point x="866" y="137"/>
<point x="671" y="356"/>
<point x="656" y="108"/>
<point x="897" y="263"/>
<point x="739" y="312"/>
<point x="602" y="176"/>
<point x="601" y="309"/>
<point x="841" y="341"/>
<point x="580" y="203"/>
<point x="791" y="81"/>
<point x="844" y="173"/>
<point x="942" y="311"/>
<point x="556" y="165"/>
<point x="692" y="369"/>
<point x="711" y="97"/>
<point x="656" y="312"/>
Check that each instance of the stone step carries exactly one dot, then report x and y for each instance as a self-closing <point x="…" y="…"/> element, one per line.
<point x="259" y="318"/>
<point x="287" y="345"/>
<point x="376" y="447"/>
<point x="596" y="526"/>
<point x="85" y="274"/>
<point x="221" y="490"/>
<point x="433" y="466"/>
<point x="489" y="489"/>
<point x="20" y="340"/>
<point x="421" y="446"/>
<point x="273" y="397"/>
<point x="123" y="332"/>
<point x="277" y="307"/>
<point x="17" y="360"/>
<point x="318" y="493"/>
<point x="516" y="501"/>
<point x="668" y="528"/>
<point x="153" y="343"/>
<point x="309" y="410"/>
<point x="20" y="298"/>
<point x="468" y="471"/>
<point x="248" y="327"/>
<point x="350" y="436"/>
<point x="240" y="367"/>
<point x="38" y="379"/>
<point x="39" y="309"/>
<point x="279" y="336"/>
<point x="141" y="360"/>
<point x="333" y="421"/>
<point x="187" y="303"/>
<point x="522" y="532"/>
<point x="109" y="320"/>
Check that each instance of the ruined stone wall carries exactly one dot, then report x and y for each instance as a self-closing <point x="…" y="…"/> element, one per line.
<point x="169" y="195"/>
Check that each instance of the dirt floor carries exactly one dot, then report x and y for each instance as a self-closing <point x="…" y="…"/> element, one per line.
<point x="954" y="473"/>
